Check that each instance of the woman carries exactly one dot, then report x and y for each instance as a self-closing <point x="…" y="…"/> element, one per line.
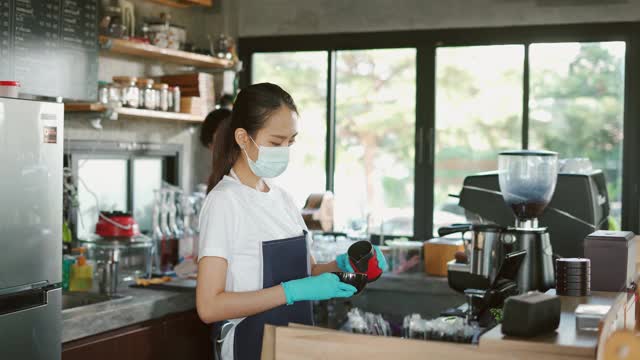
<point x="254" y="266"/>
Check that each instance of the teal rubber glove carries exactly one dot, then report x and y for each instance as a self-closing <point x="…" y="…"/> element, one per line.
<point x="343" y="261"/>
<point x="322" y="287"/>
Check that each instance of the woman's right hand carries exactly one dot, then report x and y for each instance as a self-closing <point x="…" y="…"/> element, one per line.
<point x="322" y="287"/>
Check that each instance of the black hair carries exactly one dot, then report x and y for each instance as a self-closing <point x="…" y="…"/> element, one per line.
<point x="226" y="100"/>
<point x="211" y="124"/>
<point x="252" y="108"/>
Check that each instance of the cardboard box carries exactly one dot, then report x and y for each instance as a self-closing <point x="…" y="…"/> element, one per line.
<point x="200" y="85"/>
<point x="438" y="252"/>
<point x="193" y="105"/>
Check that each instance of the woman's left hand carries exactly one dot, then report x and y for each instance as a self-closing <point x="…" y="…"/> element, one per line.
<point x="342" y="261"/>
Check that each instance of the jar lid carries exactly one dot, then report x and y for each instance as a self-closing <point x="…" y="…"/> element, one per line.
<point x="9" y="83"/>
<point x="121" y="79"/>
<point x="161" y="86"/>
<point x="145" y="81"/>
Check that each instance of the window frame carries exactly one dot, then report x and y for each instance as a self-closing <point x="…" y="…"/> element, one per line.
<point x="78" y="150"/>
<point x="426" y="42"/>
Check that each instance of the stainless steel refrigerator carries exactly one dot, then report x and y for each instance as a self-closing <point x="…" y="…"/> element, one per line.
<point x="31" y="140"/>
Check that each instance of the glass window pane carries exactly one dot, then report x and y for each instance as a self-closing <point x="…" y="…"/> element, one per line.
<point x="576" y="106"/>
<point x="375" y="140"/>
<point x="478" y="114"/>
<point x="304" y="76"/>
<point x="147" y="176"/>
<point x="102" y="186"/>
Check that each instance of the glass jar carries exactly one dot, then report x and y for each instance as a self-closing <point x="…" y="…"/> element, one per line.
<point x="147" y="94"/>
<point x="115" y="95"/>
<point x="162" y="95"/>
<point x="176" y="99"/>
<point x="103" y="92"/>
<point x="130" y="91"/>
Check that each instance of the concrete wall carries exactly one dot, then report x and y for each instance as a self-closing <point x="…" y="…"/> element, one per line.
<point x="287" y="17"/>
<point x="199" y="22"/>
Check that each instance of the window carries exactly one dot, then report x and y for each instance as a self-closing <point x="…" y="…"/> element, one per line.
<point x="112" y="177"/>
<point x="478" y="114"/>
<point x="304" y="76"/>
<point x="102" y="187"/>
<point x="477" y="96"/>
<point x="375" y="135"/>
<point x="147" y="176"/>
<point x="576" y="106"/>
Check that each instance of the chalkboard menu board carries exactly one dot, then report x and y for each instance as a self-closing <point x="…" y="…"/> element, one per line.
<point x="50" y="46"/>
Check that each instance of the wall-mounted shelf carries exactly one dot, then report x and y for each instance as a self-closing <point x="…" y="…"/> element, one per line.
<point x="133" y="113"/>
<point x="84" y="107"/>
<point x="164" y="115"/>
<point x="126" y="47"/>
<point x="181" y="4"/>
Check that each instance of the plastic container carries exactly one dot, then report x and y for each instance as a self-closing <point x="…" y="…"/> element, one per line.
<point x="588" y="316"/>
<point x="9" y="88"/>
<point x="81" y="275"/>
<point x="406" y="256"/>
<point x="437" y="254"/>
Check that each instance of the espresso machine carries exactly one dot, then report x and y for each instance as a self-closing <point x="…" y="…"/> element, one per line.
<point x="527" y="183"/>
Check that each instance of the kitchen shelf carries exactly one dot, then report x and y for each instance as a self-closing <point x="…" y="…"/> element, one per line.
<point x="181" y="4"/>
<point x="84" y="107"/>
<point x="171" y="3"/>
<point x="134" y="113"/>
<point x="165" y="115"/>
<point x="126" y="47"/>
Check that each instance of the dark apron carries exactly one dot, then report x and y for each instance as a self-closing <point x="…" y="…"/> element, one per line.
<point x="282" y="260"/>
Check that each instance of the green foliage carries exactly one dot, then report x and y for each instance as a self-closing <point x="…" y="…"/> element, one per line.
<point x="575" y="110"/>
<point x="496" y="313"/>
<point x="585" y="108"/>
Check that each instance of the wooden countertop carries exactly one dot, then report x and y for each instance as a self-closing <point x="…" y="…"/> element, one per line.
<point x="565" y="341"/>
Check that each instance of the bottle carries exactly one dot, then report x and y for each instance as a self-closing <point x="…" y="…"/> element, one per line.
<point x="186" y="245"/>
<point x="67" y="263"/>
<point x="176" y="99"/>
<point x="81" y="275"/>
<point x="165" y="251"/>
<point x="176" y="234"/>
<point x="156" y="235"/>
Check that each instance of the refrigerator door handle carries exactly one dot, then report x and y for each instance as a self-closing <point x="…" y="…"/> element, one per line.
<point x="25" y="299"/>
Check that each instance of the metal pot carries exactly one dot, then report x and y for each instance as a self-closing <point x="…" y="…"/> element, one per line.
<point x="484" y="248"/>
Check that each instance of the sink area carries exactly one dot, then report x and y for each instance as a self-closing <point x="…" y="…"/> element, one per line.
<point x="75" y="300"/>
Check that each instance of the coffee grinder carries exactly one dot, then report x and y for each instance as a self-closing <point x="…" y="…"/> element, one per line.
<point x="527" y="182"/>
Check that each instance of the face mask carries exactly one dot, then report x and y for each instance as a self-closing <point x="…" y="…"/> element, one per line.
<point x="272" y="160"/>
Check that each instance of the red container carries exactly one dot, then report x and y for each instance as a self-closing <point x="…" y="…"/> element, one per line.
<point x="117" y="224"/>
<point x="9" y="88"/>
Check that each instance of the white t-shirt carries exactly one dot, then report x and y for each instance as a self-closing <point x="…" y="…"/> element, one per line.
<point x="234" y="221"/>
